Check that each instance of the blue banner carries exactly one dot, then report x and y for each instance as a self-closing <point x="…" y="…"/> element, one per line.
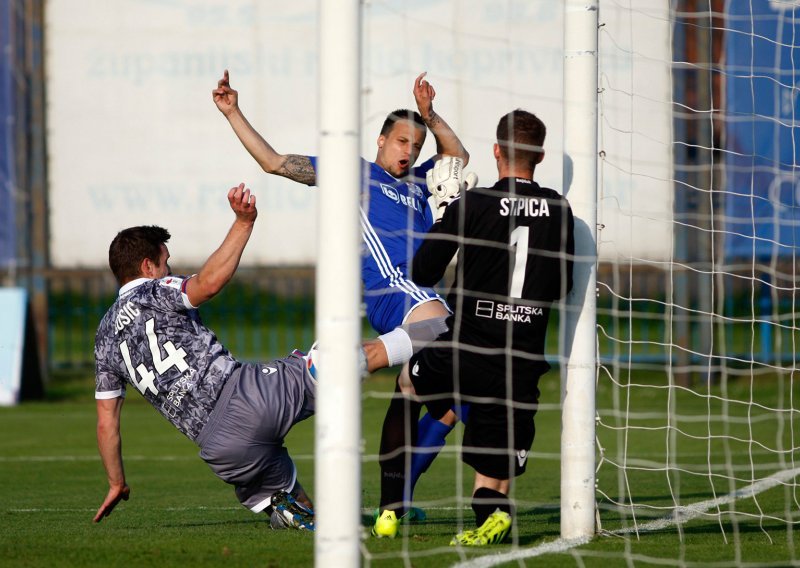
<point x="762" y="142"/>
<point x="7" y="129"/>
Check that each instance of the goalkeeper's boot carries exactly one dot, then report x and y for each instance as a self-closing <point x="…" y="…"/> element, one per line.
<point x="413" y="516"/>
<point x="386" y="525"/>
<point x="288" y="513"/>
<point x="492" y="531"/>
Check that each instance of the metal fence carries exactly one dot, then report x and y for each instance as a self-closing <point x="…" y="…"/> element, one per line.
<point x="263" y="313"/>
<point x="652" y="316"/>
<point x="267" y="312"/>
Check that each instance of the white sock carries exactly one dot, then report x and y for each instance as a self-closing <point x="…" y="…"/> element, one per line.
<point x="424" y="331"/>
<point x="362" y="363"/>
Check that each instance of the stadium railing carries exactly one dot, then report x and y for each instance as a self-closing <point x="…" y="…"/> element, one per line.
<point x="262" y="313"/>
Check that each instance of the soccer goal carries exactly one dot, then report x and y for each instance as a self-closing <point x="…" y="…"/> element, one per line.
<point x="696" y="346"/>
<point x="667" y="432"/>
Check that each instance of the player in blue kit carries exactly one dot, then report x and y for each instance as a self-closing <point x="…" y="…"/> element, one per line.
<point x="515" y="247"/>
<point x="395" y="214"/>
<point x="395" y="211"/>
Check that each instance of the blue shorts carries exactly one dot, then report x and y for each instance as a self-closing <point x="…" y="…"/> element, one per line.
<point x="389" y="305"/>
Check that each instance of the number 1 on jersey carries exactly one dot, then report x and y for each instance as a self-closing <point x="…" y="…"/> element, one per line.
<point x="519" y="237"/>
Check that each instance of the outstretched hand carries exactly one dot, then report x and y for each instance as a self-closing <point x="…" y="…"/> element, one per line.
<point x="243" y="203"/>
<point x="226" y="98"/>
<point x="114" y="496"/>
<point x="424" y="94"/>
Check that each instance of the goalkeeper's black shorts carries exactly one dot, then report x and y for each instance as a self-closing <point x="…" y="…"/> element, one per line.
<point x="500" y="429"/>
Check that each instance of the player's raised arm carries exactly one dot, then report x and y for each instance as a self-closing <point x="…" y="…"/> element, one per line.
<point x="292" y="166"/>
<point x="223" y="262"/>
<point x="447" y="143"/>
<point x="109" y="443"/>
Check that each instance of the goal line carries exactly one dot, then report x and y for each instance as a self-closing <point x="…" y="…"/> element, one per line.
<point x="680" y="516"/>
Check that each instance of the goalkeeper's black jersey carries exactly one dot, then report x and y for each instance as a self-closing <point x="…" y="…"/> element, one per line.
<point x="515" y="248"/>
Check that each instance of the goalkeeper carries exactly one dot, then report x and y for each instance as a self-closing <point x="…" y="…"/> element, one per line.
<point x="397" y="212"/>
<point x="515" y="250"/>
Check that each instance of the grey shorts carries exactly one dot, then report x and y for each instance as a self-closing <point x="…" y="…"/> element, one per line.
<point x="243" y="440"/>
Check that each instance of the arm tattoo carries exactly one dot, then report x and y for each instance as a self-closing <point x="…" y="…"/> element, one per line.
<point x="299" y="169"/>
<point x="433" y="121"/>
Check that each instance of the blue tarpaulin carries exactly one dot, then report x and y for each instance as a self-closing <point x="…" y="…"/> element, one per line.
<point x="7" y="133"/>
<point x="7" y="161"/>
<point x="762" y="149"/>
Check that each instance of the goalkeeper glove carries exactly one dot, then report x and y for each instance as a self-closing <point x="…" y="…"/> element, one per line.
<point x="446" y="184"/>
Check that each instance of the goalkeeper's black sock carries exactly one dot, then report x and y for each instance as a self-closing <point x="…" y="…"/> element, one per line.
<point x="486" y="501"/>
<point x="399" y="427"/>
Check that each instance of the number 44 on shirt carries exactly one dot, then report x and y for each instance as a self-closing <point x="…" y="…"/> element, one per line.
<point x="175" y="357"/>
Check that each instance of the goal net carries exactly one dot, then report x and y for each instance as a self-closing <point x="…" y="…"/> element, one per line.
<point x="697" y="200"/>
<point x="671" y="130"/>
<point x="696" y="346"/>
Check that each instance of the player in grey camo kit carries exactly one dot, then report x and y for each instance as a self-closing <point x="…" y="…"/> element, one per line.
<point x="152" y="338"/>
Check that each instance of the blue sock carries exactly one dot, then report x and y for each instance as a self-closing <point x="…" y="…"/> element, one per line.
<point x="430" y="437"/>
<point x="462" y="411"/>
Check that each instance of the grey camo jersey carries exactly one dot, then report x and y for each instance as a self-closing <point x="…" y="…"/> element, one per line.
<point x="153" y="339"/>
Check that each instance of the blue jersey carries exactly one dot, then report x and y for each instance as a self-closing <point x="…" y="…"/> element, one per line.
<point x="394" y="219"/>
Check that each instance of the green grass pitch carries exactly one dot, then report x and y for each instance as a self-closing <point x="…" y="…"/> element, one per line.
<point x="179" y="514"/>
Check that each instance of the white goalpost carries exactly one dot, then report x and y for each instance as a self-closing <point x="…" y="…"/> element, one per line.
<point x="337" y="463"/>
<point x="697" y="345"/>
<point x="673" y="129"/>
<point x="678" y="406"/>
<point x="579" y="330"/>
